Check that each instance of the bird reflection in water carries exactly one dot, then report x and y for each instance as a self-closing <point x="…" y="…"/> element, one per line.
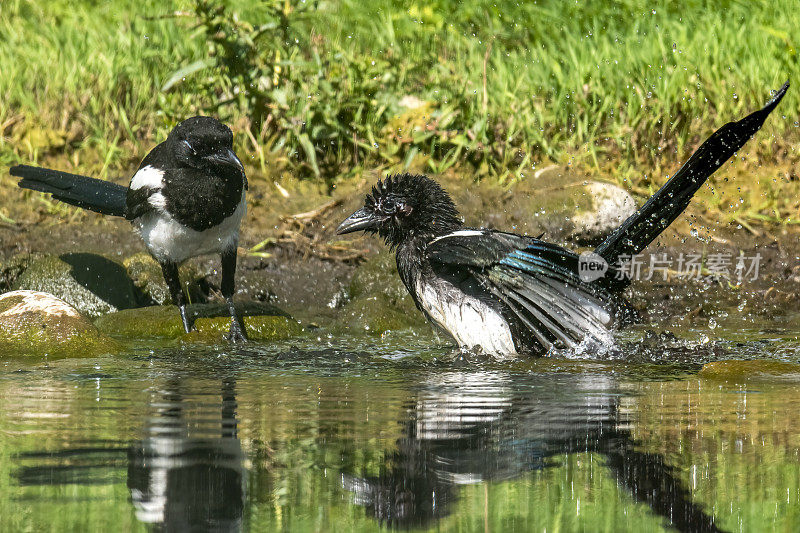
<point x="187" y="474"/>
<point x="474" y="427"/>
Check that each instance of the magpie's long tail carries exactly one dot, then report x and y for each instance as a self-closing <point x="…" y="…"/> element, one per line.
<point x="89" y="193"/>
<point x="641" y="228"/>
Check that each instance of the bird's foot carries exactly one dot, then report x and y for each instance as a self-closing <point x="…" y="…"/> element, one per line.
<point x="188" y="322"/>
<point x="237" y="334"/>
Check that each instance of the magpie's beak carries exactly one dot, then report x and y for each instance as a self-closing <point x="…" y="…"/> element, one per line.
<point x="363" y="219"/>
<point x="228" y="158"/>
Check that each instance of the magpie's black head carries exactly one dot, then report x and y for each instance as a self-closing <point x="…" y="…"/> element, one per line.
<point x="404" y="206"/>
<point x="206" y="143"/>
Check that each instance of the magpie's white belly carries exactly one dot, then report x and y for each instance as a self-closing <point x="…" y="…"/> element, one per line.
<point x="470" y="322"/>
<point x="169" y="240"/>
<point x="452" y="403"/>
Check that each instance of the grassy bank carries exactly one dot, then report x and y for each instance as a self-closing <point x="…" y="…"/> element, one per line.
<point x="326" y="88"/>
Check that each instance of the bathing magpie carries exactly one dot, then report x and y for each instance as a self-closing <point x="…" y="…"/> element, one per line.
<point x="186" y="199"/>
<point x="505" y="294"/>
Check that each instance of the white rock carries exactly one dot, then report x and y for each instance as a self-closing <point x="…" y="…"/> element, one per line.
<point x="611" y="205"/>
<point x="36" y="302"/>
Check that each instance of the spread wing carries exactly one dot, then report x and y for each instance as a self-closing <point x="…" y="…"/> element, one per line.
<point x="538" y="284"/>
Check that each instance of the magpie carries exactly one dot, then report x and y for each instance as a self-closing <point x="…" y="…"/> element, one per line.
<point x="471" y="427"/>
<point x="506" y="294"/>
<point x="186" y="199"/>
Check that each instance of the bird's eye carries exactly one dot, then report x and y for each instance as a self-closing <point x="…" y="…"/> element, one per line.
<point x="189" y="146"/>
<point x="388" y="206"/>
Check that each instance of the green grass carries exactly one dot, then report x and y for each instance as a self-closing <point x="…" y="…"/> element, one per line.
<point x="317" y="87"/>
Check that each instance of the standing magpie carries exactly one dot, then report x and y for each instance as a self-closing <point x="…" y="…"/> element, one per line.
<point x="186" y="199"/>
<point x="505" y="294"/>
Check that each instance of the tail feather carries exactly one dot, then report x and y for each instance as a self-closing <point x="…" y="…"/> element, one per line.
<point x="89" y="193"/>
<point x="641" y="228"/>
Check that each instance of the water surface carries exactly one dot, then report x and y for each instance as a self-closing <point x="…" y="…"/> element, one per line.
<point x="362" y="434"/>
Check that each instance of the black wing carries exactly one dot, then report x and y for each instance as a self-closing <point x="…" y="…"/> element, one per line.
<point x="538" y="285"/>
<point x="137" y="202"/>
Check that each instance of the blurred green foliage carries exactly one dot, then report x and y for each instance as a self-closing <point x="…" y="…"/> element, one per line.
<point x="323" y="88"/>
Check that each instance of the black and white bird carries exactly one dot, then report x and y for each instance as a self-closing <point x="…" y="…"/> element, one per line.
<point x="186" y="199"/>
<point x="505" y="294"/>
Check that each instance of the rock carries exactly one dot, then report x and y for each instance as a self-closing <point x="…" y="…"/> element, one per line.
<point x="306" y="287"/>
<point x="413" y="115"/>
<point x="378" y="275"/>
<point x="610" y="206"/>
<point x="378" y="300"/>
<point x="148" y="278"/>
<point x="91" y="283"/>
<point x="738" y="371"/>
<point x="38" y="324"/>
<point x="11" y="269"/>
<point x="264" y="322"/>
<point x="410" y="101"/>
<point x="376" y="315"/>
<point x="564" y="206"/>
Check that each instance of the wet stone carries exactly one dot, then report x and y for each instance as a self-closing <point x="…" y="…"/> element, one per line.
<point x="566" y="207"/>
<point x="264" y="322"/>
<point x="12" y="268"/>
<point x="610" y="206"/>
<point x="149" y="280"/>
<point x="93" y="284"/>
<point x="37" y="324"/>
<point x="377" y="300"/>
<point x="734" y="370"/>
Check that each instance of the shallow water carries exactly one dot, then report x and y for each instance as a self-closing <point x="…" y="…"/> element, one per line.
<point x="363" y="434"/>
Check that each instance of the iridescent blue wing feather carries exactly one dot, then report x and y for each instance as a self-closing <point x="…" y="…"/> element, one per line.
<point x="539" y="287"/>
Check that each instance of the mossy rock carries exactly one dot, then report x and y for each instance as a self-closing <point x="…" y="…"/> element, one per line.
<point x="41" y="139"/>
<point x="379" y="302"/>
<point x="259" y="328"/>
<point x="734" y="370"/>
<point x="91" y="283"/>
<point x="148" y="278"/>
<point x="263" y="322"/>
<point x="12" y="268"/>
<point x="414" y="115"/>
<point x="37" y="324"/>
<point x="378" y="275"/>
<point x="378" y="314"/>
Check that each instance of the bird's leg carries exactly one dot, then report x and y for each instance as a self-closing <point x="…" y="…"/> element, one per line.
<point x="237" y="332"/>
<point x="170" y="271"/>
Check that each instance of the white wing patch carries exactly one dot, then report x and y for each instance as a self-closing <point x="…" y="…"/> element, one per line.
<point x="148" y="177"/>
<point x="460" y="233"/>
<point x="470" y="322"/>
